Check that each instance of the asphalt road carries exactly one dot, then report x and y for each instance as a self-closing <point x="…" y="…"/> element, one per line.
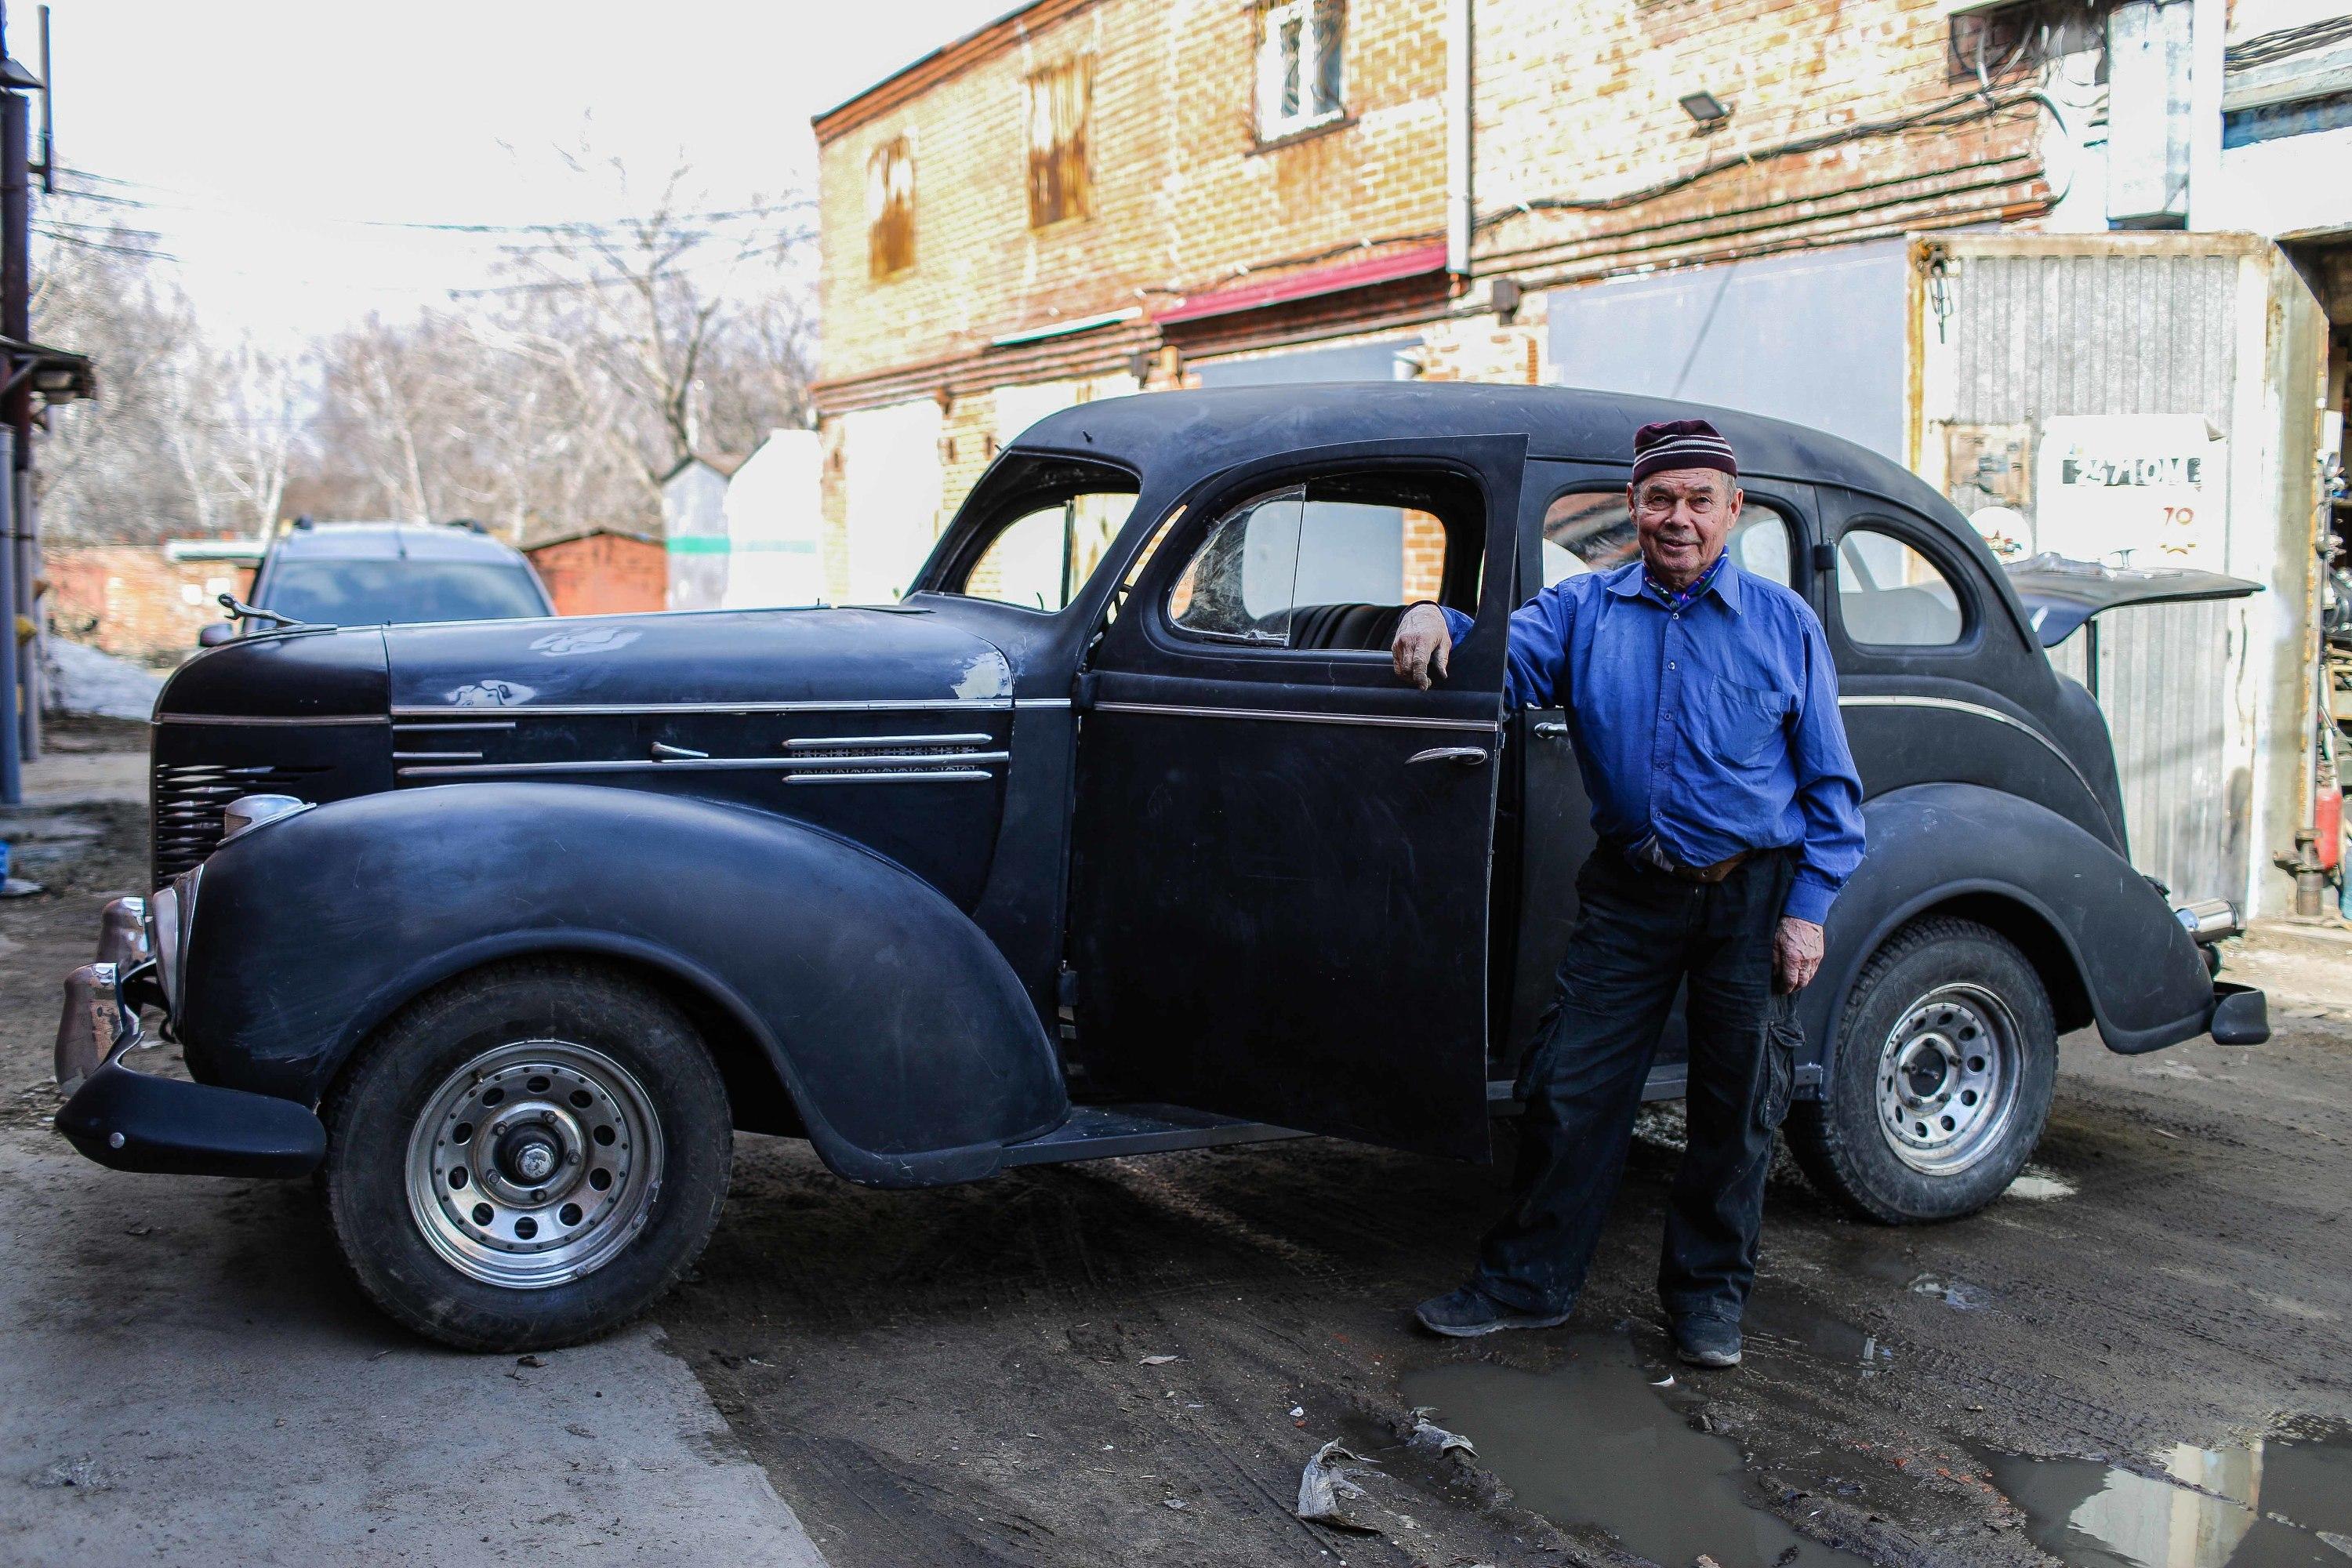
<point x="977" y="1375"/>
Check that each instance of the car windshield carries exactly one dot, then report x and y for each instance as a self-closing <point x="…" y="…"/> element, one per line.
<point x="381" y="593"/>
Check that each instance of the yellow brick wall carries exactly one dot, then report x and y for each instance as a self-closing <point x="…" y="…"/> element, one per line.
<point x="1580" y="99"/>
<point x="1184" y="193"/>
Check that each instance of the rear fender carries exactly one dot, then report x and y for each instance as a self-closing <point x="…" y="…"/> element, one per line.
<point x="906" y="1043"/>
<point x="2098" y="930"/>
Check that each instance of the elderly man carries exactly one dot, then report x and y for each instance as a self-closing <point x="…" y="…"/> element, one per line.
<point x="1703" y="706"/>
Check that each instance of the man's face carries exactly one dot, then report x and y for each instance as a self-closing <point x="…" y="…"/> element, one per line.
<point x="1684" y="515"/>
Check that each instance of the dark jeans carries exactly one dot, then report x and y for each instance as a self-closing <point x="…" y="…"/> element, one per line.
<point x="1638" y="935"/>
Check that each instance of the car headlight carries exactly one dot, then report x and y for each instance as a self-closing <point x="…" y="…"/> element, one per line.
<point x="170" y="915"/>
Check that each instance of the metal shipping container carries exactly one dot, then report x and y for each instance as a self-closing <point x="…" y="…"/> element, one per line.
<point x="2151" y="400"/>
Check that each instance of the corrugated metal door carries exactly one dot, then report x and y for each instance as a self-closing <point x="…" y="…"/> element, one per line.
<point x="2008" y="338"/>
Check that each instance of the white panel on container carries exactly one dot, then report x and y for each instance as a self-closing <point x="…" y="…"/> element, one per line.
<point x="2132" y="489"/>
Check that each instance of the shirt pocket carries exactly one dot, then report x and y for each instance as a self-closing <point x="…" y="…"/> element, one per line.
<point x="1739" y="723"/>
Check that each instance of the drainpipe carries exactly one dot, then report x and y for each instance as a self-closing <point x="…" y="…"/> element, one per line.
<point x="1459" y="199"/>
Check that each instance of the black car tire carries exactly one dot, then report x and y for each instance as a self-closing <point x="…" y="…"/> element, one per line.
<point x="396" y="1079"/>
<point x="1842" y="1140"/>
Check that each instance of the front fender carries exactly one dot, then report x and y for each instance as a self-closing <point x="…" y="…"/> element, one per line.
<point x="1932" y="843"/>
<point x="907" y="1044"/>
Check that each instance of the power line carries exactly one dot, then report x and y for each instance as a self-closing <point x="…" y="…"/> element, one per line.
<point x="74" y="240"/>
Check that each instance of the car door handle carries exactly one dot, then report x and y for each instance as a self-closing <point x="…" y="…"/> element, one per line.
<point x="1551" y="729"/>
<point x="1467" y="756"/>
<point x="665" y="752"/>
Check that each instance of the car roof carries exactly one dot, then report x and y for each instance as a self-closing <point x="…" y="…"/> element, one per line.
<point x="1210" y="427"/>
<point x="390" y="542"/>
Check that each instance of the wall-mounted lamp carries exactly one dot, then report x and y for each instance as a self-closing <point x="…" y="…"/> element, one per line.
<point x="1708" y="109"/>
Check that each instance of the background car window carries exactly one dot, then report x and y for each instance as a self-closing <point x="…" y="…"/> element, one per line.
<point x="1593" y="531"/>
<point x="1890" y="596"/>
<point x="1326" y="564"/>
<point x="1040" y="559"/>
<point x="389" y="593"/>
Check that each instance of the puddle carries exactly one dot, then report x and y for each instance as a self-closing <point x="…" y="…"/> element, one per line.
<point x="2282" y="1502"/>
<point x="1596" y="1441"/>
<point x="1957" y="1294"/>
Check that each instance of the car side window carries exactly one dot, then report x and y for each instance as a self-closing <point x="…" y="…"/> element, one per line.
<point x="1593" y="531"/>
<point x="1328" y="564"/>
<point x="1040" y="559"/>
<point x="1892" y="595"/>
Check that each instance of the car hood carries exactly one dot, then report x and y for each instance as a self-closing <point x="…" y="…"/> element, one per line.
<point x="715" y="659"/>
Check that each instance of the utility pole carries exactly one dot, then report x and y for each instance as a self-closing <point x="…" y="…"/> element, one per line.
<point x="16" y="711"/>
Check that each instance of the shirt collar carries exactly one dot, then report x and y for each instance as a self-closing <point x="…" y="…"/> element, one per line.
<point x="1627" y="582"/>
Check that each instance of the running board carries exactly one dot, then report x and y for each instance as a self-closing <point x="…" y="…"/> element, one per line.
<point x="1112" y="1131"/>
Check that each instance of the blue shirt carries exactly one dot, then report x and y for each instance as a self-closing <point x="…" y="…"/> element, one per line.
<point x="1714" y="726"/>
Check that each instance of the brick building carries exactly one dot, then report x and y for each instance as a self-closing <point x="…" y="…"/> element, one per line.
<point x="1088" y="197"/>
<point x="142" y="601"/>
<point x="602" y="571"/>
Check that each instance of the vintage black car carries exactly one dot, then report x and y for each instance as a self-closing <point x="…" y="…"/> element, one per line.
<point x="1119" y="834"/>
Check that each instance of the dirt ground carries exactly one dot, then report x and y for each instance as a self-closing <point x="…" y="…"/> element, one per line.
<point x="977" y="1375"/>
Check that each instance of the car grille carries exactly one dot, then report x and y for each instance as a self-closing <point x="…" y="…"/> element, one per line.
<point x="188" y="800"/>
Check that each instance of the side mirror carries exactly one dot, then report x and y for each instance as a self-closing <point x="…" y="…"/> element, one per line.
<point x="216" y="633"/>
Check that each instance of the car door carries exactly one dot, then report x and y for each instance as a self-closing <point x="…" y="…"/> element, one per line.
<point x="1584" y="526"/>
<point x="1279" y="895"/>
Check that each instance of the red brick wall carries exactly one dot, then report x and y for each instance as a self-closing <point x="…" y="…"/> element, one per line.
<point x="130" y="599"/>
<point x="603" y="575"/>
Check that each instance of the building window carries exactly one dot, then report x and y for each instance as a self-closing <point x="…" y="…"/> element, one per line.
<point x="1299" y="80"/>
<point x="1061" y="107"/>
<point x="889" y="209"/>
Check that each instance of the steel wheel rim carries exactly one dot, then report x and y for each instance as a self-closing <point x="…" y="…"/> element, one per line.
<point x="534" y="1164"/>
<point x="1948" y="1078"/>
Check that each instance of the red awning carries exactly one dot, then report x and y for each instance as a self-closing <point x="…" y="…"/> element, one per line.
<point x="1386" y="267"/>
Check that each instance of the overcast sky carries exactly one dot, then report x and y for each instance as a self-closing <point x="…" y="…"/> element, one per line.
<point x="270" y="141"/>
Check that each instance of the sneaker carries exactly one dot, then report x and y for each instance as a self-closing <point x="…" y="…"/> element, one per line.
<point x="1468" y="1311"/>
<point x="1706" y="1341"/>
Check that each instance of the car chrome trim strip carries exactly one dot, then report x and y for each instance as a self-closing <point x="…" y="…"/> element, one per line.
<point x="437" y="725"/>
<point x="704" y="764"/>
<point x="1296" y="717"/>
<point x="1978" y="710"/>
<point x="437" y="756"/>
<point x="890" y="741"/>
<point x="944" y="776"/>
<point x="579" y="709"/>
<point x="1041" y="702"/>
<point x="270" y="719"/>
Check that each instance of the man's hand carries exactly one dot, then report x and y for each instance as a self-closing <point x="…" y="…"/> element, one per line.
<point x="1796" y="954"/>
<point x="1422" y="646"/>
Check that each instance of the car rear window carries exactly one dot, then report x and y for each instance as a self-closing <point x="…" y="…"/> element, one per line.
<point x="380" y="592"/>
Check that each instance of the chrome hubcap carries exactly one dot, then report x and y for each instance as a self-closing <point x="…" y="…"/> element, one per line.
<point x="1948" y="1079"/>
<point x="534" y="1164"/>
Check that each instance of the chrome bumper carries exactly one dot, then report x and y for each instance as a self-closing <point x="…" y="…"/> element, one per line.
<point x="94" y="1027"/>
<point x="134" y="1121"/>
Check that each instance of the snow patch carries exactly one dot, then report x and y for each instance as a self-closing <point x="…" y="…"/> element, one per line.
<point x="84" y="680"/>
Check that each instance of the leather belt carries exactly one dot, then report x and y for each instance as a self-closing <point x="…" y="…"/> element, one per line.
<point x="1652" y="855"/>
